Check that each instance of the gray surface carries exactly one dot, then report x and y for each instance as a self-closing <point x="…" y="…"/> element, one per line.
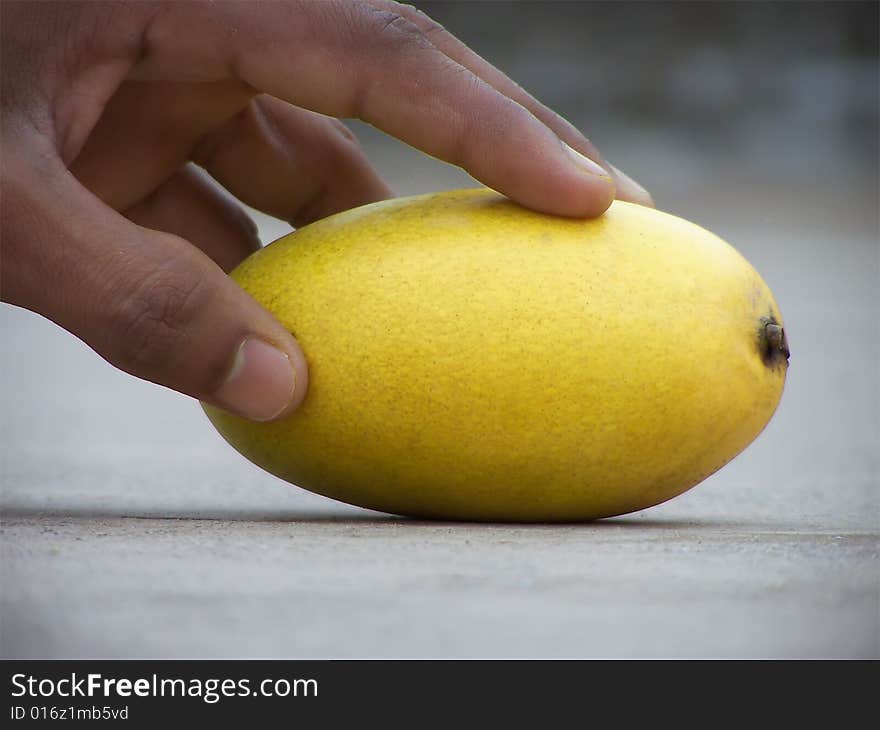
<point x="130" y="529"/>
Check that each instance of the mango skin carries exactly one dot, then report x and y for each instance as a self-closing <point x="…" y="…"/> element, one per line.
<point x="473" y="360"/>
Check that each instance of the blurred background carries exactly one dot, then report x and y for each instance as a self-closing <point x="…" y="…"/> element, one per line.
<point x="130" y="529"/>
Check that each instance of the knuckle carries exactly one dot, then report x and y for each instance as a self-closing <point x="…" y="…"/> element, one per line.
<point x="425" y="22"/>
<point x="150" y="325"/>
<point x="391" y="30"/>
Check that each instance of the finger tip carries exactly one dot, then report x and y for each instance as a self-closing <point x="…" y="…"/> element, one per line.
<point x="587" y="201"/>
<point x="601" y="200"/>
<point x="577" y="201"/>
<point x="267" y="381"/>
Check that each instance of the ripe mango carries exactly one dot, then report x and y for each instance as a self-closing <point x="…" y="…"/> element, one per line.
<point x="472" y="359"/>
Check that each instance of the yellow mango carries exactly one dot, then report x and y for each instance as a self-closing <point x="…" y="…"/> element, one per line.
<point x="472" y="359"/>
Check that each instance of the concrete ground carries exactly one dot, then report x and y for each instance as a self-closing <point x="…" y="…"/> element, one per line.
<point x="130" y="529"/>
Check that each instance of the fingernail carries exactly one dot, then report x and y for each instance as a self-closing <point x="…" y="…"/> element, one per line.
<point x="586" y="164"/>
<point x="629" y="189"/>
<point x="261" y="382"/>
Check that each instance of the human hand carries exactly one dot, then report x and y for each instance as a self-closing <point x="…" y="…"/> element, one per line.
<point x="110" y="231"/>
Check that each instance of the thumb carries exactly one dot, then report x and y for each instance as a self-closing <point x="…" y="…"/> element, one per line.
<point x="148" y="302"/>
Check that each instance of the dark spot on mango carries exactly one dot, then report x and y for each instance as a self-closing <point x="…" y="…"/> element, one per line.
<point x="772" y="342"/>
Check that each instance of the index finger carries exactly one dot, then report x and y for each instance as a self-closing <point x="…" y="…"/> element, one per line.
<point x="350" y="59"/>
<point x="627" y="188"/>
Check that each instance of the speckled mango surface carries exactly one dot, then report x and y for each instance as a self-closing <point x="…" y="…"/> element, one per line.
<point x="471" y="359"/>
